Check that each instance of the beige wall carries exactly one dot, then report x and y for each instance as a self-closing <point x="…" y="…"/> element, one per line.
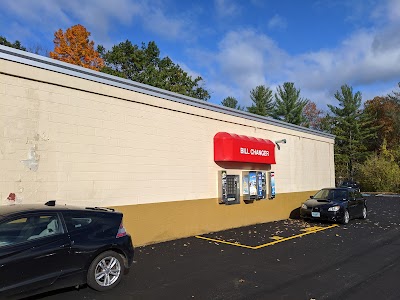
<point x="96" y="144"/>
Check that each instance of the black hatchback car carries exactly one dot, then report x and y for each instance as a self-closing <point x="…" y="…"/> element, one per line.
<point x="335" y="204"/>
<point x="350" y="184"/>
<point x="46" y="247"/>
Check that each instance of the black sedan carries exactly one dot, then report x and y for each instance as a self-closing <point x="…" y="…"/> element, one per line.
<point x="335" y="204"/>
<point x="46" y="247"/>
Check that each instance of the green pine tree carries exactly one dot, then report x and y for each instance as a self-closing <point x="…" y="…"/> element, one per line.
<point x="231" y="102"/>
<point x="289" y="105"/>
<point x="262" y="101"/>
<point x="17" y="44"/>
<point x="143" y="64"/>
<point x="352" y="128"/>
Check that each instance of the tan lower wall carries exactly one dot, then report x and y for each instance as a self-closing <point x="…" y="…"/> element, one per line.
<point x="158" y="222"/>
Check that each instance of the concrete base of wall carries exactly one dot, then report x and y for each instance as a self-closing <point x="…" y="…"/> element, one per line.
<point x="159" y="222"/>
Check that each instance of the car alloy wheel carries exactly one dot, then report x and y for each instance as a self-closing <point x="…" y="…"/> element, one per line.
<point x="106" y="271"/>
<point x="346" y="217"/>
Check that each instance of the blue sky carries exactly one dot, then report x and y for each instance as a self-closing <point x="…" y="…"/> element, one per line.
<point x="236" y="45"/>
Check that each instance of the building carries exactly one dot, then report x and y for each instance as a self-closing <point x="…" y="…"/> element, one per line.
<point x="90" y="139"/>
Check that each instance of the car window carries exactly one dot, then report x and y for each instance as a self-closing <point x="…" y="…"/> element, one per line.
<point x="331" y="194"/>
<point x="322" y="194"/>
<point x="339" y="195"/>
<point x="92" y="223"/>
<point x="27" y="228"/>
<point x="76" y="221"/>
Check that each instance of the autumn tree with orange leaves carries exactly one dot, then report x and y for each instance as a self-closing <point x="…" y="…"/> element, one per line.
<point x="312" y="116"/>
<point x="74" y="47"/>
<point x="385" y="112"/>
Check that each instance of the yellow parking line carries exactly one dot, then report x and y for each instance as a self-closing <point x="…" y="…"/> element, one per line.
<point x="311" y="228"/>
<point x="309" y="231"/>
<point x="276" y="237"/>
<point x="223" y="242"/>
<point x="294" y="236"/>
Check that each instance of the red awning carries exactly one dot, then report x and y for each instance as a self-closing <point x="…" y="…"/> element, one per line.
<point x="229" y="147"/>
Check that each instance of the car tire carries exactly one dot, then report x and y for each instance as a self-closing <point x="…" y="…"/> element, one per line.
<point x="346" y="217"/>
<point x="105" y="271"/>
<point x="364" y="213"/>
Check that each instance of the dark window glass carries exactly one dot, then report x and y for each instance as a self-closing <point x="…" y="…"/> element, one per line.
<point x="93" y="223"/>
<point x="331" y="194"/>
<point x="29" y="228"/>
<point x="76" y="221"/>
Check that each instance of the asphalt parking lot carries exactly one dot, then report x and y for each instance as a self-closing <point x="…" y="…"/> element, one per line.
<point x="289" y="259"/>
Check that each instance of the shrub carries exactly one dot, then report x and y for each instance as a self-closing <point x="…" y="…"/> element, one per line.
<point x="379" y="174"/>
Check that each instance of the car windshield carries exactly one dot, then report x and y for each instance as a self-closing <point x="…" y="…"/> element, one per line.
<point x="331" y="195"/>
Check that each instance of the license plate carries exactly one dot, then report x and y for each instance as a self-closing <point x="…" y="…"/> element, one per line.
<point x="315" y="214"/>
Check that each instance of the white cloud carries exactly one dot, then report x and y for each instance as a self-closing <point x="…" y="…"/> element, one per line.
<point x="98" y="16"/>
<point x="365" y="58"/>
<point x="219" y="91"/>
<point x="244" y="60"/>
<point x="245" y="53"/>
<point x="385" y="13"/>
<point x="226" y="8"/>
<point x="277" y="22"/>
<point x="156" y="21"/>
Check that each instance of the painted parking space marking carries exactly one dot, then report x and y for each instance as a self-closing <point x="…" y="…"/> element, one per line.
<point x="223" y="242"/>
<point x="277" y="239"/>
<point x="312" y="228"/>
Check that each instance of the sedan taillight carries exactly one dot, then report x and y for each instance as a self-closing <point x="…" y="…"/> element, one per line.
<point x="121" y="231"/>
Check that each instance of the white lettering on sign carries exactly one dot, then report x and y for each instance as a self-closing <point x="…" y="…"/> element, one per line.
<point x="244" y="151"/>
<point x="258" y="152"/>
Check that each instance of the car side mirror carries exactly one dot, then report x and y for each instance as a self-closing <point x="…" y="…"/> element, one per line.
<point x="311" y="197"/>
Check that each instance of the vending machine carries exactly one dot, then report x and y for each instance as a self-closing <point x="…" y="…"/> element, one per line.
<point x="272" y="191"/>
<point x="245" y="186"/>
<point x="254" y="185"/>
<point x="229" y="188"/>
<point x="261" y="185"/>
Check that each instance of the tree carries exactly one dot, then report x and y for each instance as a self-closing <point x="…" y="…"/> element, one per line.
<point x="143" y="64"/>
<point x="38" y="49"/>
<point x="395" y="97"/>
<point x="74" y="47"/>
<point x="384" y="112"/>
<point x="312" y="116"/>
<point x="262" y="101"/>
<point x="352" y="128"/>
<point x="17" y="44"/>
<point x="327" y="123"/>
<point x="385" y="169"/>
<point x="231" y="102"/>
<point x="288" y="104"/>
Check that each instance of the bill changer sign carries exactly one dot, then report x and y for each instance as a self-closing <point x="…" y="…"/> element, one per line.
<point x="229" y="147"/>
